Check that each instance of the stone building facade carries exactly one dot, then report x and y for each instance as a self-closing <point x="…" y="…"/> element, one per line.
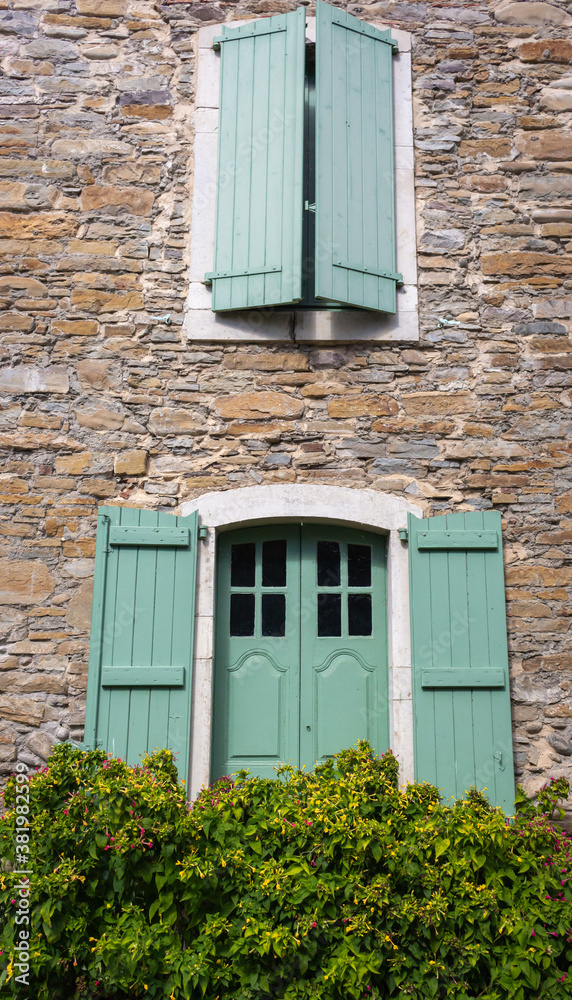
<point x="107" y="398"/>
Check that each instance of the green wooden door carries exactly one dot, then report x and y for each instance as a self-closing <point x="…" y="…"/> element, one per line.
<point x="301" y="646"/>
<point x="461" y="697"/>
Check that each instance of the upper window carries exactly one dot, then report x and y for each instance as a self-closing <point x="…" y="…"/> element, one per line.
<point x="296" y="123"/>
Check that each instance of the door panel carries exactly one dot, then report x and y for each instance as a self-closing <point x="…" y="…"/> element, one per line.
<point x="301" y="646"/>
<point x="257" y="682"/>
<point x="344" y="675"/>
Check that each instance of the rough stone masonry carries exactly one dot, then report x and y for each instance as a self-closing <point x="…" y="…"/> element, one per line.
<point x="101" y="401"/>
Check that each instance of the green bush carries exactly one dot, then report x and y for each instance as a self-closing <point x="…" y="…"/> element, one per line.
<point x="334" y="885"/>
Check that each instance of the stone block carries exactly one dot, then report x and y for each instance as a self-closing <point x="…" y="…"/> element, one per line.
<point x="28" y="378"/>
<point x="77" y="149"/>
<point x="525" y="263"/>
<point x="99" y="418"/>
<point x="16" y="322"/>
<point x="254" y="405"/>
<point x="130" y="463"/>
<point x="266" y="362"/>
<point x="139" y="201"/>
<point x="98" y="487"/>
<point x="41" y="743"/>
<point x="557" y="50"/>
<point x="75" y="328"/>
<point x="554" y="144"/>
<point x="362" y="406"/>
<point x="48" y="225"/>
<point x="437" y="403"/>
<point x="530" y="12"/>
<point x="165" y="421"/>
<point x="18" y="709"/>
<point x="30" y="682"/>
<point x="100" y="375"/>
<point x="102" y="8"/>
<point x="73" y="465"/>
<point x="495" y="146"/>
<point x="25" y="581"/>
<point x="78" y="611"/>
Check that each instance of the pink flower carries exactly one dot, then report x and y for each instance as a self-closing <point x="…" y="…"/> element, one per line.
<point x="314" y="923"/>
<point x="66" y="812"/>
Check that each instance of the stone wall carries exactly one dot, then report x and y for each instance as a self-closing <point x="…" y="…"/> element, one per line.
<point x="103" y="401"/>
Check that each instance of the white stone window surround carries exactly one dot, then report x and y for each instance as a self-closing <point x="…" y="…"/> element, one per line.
<point x="301" y="326"/>
<point x="366" y="509"/>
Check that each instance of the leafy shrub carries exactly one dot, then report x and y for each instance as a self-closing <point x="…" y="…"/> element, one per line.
<point x="330" y="885"/>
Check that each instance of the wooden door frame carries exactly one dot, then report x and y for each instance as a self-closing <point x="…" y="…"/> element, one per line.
<point x="365" y="509"/>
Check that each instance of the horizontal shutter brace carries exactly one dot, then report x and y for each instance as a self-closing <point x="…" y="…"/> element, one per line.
<point x="211" y="275"/>
<point x="457" y="540"/>
<point x="245" y="34"/>
<point x="156" y="537"/>
<point x="463" y="677"/>
<point x="393" y="275"/>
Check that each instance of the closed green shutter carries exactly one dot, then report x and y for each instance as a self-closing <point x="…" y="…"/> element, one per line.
<point x="355" y="214"/>
<point x="258" y="235"/>
<point x="461" y="699"/>
<point x="139" y="683"/>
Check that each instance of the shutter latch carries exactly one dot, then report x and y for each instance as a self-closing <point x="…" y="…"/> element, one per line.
<point x="309" y="207"/>
<point x="498" y="756"/>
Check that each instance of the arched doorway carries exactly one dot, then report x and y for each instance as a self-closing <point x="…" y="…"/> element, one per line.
<point x="301" y="662"/>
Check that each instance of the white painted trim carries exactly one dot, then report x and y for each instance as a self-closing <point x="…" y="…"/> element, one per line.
<point x="254" y="326"/>
<point x="325" y="504"/>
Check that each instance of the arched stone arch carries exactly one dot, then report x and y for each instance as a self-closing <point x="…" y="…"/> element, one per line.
<point x="250" y="505"/>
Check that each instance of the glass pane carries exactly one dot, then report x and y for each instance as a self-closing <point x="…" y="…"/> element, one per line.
<point x="242" y="614"/>
<point x="359" y="614"/>
<point x="329" y="614"/>
<point x="329" y="567"/>
<point x="243" y="565"/>
<point x="274" y="564"/>
<point x="273" y="614"/>
<point x="359" y="567"/>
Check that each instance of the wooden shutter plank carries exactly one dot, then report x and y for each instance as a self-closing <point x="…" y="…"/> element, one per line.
<point x="258" y="241"/>
<point x="460" y="661"/>
<point x="148" y="535"/>
<point x="143" y="676"/>
<point x="457" y="539"/>
<point x="355" y="215"/>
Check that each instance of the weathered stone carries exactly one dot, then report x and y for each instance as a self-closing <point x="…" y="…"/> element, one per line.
<point x="556" y="100"/>
<point x="41" y="743"/>
<point x="95" y="374"/>
<point x="436" y="403"/>
<point x="79" y="148"/>
<point x="99" y="418"/>
<point x="16" y="321"/>
<point x="254" y="405"/>
<point x="362" y="406"/>
<point x="551" y="145"/>
<point x="24" y="710"/>
<point x="152" y="112"/>
<point x="525" y="262"/>
<point x="546" y="50"/>
<point x="98" y="487"/>
<point x="444" y="239"/>
<point x="28" y="378"/>
<point x="95" y="300"/>
<point x="495" y="146"/>
<point x="102" y="52"/>
<point x="266" y="362"/>
<point x="22" y="682"/>
<point x="130" y="463"/>
<point x="75" y="328"/>
<point x="136" y="200"/>
<point x="102" y="8"/>
<point x="43" y="224"/>
<point x="173" y="421"/>
<point x="78" y="610"/>
<point x="530" y="12"/>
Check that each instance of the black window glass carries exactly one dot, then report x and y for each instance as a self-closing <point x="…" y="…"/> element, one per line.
<point x="329" y="614"/>
<point x="243" y="565"/>
<point x="359" y="566"/>
<point x="329" y="567"/>
<point x="273" y="614"/>
<point x="242" y="614"/>
<point x="359" y="614"/>
<point x="274" y="564"/>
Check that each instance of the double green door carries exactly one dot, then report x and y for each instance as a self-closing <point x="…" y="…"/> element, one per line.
<point x="300" y="646"/>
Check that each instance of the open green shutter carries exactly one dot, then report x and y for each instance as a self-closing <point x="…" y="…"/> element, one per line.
<point x="258" y="234"/>
<point x="140" y="664"/>
<point x="355" y="213"/>
<point x="461" y="698"/>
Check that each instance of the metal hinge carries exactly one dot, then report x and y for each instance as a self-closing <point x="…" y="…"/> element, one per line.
<point x="403" y="534"/>
<point x="203" y="532"/>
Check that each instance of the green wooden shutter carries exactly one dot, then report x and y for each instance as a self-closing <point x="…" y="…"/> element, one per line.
<point x="355" y="213"/>
<point x="258" y="235"/>
<point x="139" y="683"/>
<point x="461" y="698"/>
